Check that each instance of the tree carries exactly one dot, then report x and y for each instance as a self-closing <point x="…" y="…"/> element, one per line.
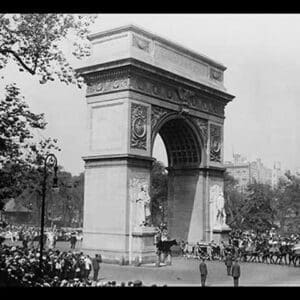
<point x="16" y="124"/>
<point x="158" y="192"/>
<point x="65" y="207"/>
<point x="24" y="178"/>
<point x="19" y="152"/>
<point x="258" y="212"/>
<point x="287" y="203"/>
<point x="233" y="202"/>
<point x="34" y="42"/>
<point x="78" y="198"/>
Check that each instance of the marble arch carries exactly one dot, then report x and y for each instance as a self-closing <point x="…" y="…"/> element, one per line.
<point x="139" y="85"/>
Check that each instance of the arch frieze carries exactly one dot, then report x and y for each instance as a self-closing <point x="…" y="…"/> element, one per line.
<point x="129" y="79"/>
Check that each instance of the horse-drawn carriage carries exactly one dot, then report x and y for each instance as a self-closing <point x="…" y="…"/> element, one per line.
<point x="201" y="250"/>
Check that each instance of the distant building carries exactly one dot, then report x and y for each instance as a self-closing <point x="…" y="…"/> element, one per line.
<point x="240" y="171"/>
<point x="248" y="172"/>
<point x="276" y="173"/>
<point x="260" y="173"/>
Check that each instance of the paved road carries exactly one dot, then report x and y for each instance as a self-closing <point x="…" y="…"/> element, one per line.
<point x="185" y="272"/>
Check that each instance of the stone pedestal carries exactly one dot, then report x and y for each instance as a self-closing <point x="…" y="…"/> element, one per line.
<point x="143" y="249"/>
<point x="221" y="234"/>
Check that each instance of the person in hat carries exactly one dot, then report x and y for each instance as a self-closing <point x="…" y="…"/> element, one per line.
<point x="228" y="263"/>
<point x="88" y="266"/>
<point x="236" y="273"/>
<point x="96" y="266"/>
<point x="203" y="271"/>
<point x="73" y="240"/>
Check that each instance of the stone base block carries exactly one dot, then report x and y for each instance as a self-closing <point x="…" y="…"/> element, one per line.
<point x="221" y="234"/>
<point x="137" y="250"/>
<point x="143" y="249"/>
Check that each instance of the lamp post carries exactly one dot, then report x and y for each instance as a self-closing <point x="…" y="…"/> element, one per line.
<point x="50" y="160"/>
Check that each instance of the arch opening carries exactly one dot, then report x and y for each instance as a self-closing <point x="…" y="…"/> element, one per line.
<point x="182" y="145"/>
<point x="182" y="194"/>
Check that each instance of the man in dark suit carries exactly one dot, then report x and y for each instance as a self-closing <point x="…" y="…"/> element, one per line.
<point x="228" y="263"/>
<point x="96" y="266"/>
<point x="236" y="273"/>
<point x="73" y="240"/>
<point x="203" y="271"/>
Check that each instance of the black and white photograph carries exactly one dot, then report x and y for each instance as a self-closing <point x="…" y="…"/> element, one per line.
<point x="149" y="149"/>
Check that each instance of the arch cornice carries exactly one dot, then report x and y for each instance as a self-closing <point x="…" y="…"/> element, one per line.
<point x="139" y="77"/>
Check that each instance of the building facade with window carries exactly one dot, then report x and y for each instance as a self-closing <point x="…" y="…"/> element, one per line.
<point x="248" y="172"/>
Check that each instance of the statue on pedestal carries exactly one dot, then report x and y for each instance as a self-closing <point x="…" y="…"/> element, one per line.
<point x="143" y="207"/>
<point x="140" y="203"/>
<point x="218" y="211"/>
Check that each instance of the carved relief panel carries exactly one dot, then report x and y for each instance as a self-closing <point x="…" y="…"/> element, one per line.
<point x="216" y="75"/>
<point x="203" y="128"/>
<point x="140" y="43"/>
<point x="157" y="114"/>
<point x="215" y="154"/>
<point x="138" y="138"/>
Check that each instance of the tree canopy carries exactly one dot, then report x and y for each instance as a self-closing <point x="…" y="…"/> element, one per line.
<point x="33" y="42"/>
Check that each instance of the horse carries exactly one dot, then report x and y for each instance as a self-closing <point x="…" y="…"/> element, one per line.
<point x="273" y="251"/>
<point x="265" y="254"/>
<point x="164" y="247"/>
<point x="255" y="253"/>
<point x="282" y="253"/>
<point x="294" y="256"/>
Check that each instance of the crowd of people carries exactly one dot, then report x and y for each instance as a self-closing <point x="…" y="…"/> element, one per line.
<point x="20" y="266"/>
<point x="20" y="263"/>
<point x="29" y="235"/>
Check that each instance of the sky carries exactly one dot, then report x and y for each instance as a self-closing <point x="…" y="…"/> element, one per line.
<point x="261" y="53"/>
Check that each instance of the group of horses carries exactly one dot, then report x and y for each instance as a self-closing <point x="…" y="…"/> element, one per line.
<point x="270" y="254"/>
<point x="255" y="252"/>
